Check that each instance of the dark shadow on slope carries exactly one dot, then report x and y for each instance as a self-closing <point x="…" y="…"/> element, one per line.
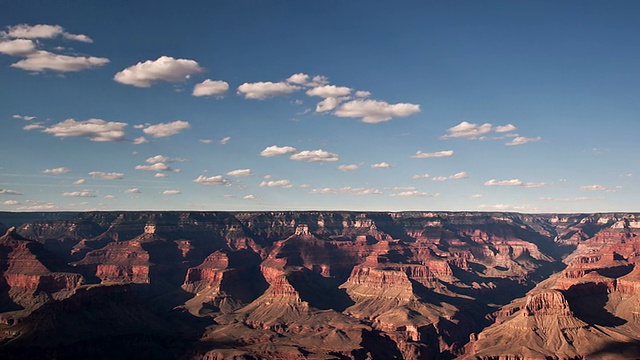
<point x="623" y="350"/>
<point x="378" y="346"/>
<point x="386" y="224"/>
<point x="588" y="301"/>
<point x="320" y="292"/>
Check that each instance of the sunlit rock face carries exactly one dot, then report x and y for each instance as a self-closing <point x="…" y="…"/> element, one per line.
<point x="349" y="285"/>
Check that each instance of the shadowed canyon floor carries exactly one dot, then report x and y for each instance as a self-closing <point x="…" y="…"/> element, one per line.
<point x="319" y="285"/>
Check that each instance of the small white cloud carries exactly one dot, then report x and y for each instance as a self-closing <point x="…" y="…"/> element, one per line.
<point x="210" y="88"/>
<point x="165" y="68"/>
<point x="42" y="31"/>
<point x="94" y="129"/>
<point x="36" y="126"/>
<point x="496" y="207"/>
<point x="23" y="117"/>
<point x="421" y="176"/>
<point x="160" y="175"/>
<point x="217" y="180"/>
<point x="277" y="150"/>
<point x="362" y="94"/>
<point x="575" y="199"/>
<point x="250" y="197"/>
<point x="162" y="159"/>
<point x="505" y="128"/>
<point x="206" y="141"/>
<point x="414" y="193"/>
<point x="109" y="197"/>
<point x="56" y="171"/>
<point x="401" y="188"/>
<point x="17" y="47"/>
<point x="10" y="202"/>
<point x="276" y="183"/>
<point x="327" y="104"/>
<point x="158" y="167"/>
<point x="598" y="187"/>
<point x="83" y="193"/>
<point x="373" y="111"/>
<point x="140" y="140"/>
<point x="264" y="90"/>
<point x="41" y="60"/>
<point x="305" y="186"/>
<point x="439" y="178"/>
<point x="329" y="91"/>
<point x="224" y="140"/>
<point x="240" y="173"/>
<point x="476" y="196"/>
<point x="167" y="129"/>
<point x="522" y="140"/>
<point x="468" y="130"/>
<point x="315" y="156"/>
<point x="534" y="185"/>
<point x="106" y="176"/>
<point x="171" y="192"/>
<point x="267" y="177"/>
<point x="132" y="191"/>
<point x="382" y="165"/>
<point x="346" y="190"/>
<point x="79" y="182"/>
<point x="512" y="182"/>
<point x="437" y="154"/>
<point x="460" y="175"/>
<point x="300" y="79"/>
<point x="9" y="192"/>
<point x="348" y="167"/>
<point x="40" y="207"/>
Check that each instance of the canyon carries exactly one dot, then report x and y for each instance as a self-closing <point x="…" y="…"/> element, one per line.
<point x="319" y="285"/>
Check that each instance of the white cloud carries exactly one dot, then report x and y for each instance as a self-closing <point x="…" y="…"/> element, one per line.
<point x="240" y="173"/>
<point x="165" y="68"/>
<point x="160" y="175"/>
<point x="40" y="31"/>
<point x="346" y="190"/>
<point x="10" y="202"/>
<point x="9" y="192"/>
<point x="468" y="130"/>
<point x="414" y="193"/>
<point x="83" y="193"/>
<point x="156" y="167"/>
<point x="40" y="207"/>
<point x="327" y="104"/>
<point x="41" y="60"/>
<point x="210" y="88"/>
<point x="476" y="196"/>
<point x="522" y="140"/>
<point x="460" y="175"/>
<point x="33" y="127"/>
<point x="306" y="80"/>
<point x="217" y="180"/>
<point x="422" y="155"/>
<point x="264" y="90"/>
<point x="580" y="198"/>
<point x="79" y="182"/>
<point x="348" y="167"/>
<point x="401" y="188"/>
<point x="140" y="140"/>
<point x="512" y="182"/>
<point x="373" y="111"/>
<point x="421" y="176"/>
<point x="224" y="140"/>
<point x="329" y="91"/>
<point x="17" y="47"/>
<point x="250" y="197"/>
<point x="276" y="183"/>
<point x="94" y="129"/>
<point x="132" y="191"/>
<point x="505" y="128"/>
<point x="206" y="141"/>
<point x="299" y="78"/>
<point x="56" y="171"/>
<point x="496" y="206"/>
<point x="109" y="197"/>
<point x="362" y="94"/>
<point x="275" y="150"/>
<point x="23" y="117"/>
<point x="382" y="165"/>
<point x="171" y="192"/>
<point x="305" y="186"/>
<point x="167" y="129"/>
<point x="314" y="156"/>
<point x="439" y="178"/>
<point x="534" y="185"/>
<point x="106" y="176"/>
<point x="162" y="159"/>
<point x="598" y="187"/>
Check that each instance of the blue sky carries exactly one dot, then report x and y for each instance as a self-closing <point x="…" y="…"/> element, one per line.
<point x="528" y="106"/>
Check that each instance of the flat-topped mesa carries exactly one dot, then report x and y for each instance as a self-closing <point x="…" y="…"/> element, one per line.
<point x="119" y="262"/>
<point x="548" y="302"/>
<point x="374" y="282"/>
<point x="630" y="283"/>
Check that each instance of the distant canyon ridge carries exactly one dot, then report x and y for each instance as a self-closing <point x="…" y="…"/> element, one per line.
<point x="319" y="285"/>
